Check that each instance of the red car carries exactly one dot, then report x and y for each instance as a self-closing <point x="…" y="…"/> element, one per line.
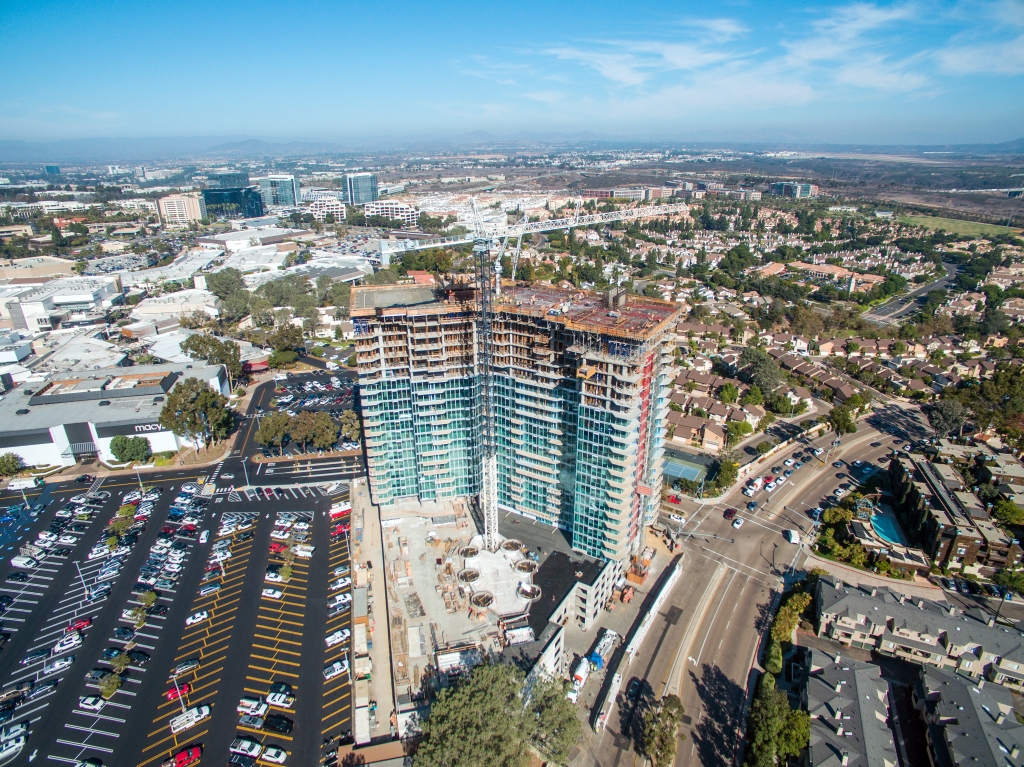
<point x="176" y="692"/>
<point x="768" y="479"/>
<point x="278" y="548"/>
<point x="78" y="625"/>
<point x="184" y="758"/>
<point x="730" y="513"/>
<point x="340" y="529"/>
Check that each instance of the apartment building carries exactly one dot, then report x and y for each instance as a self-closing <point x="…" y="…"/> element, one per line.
<point x="920" y="630"/>
<point x="398" y="211"/>
<point x="580" y="399"/>
<point x="180" y="210"/>
<point x="952" y="527"/>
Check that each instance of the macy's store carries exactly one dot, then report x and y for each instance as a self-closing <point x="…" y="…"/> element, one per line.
<point x="73" y="416"/>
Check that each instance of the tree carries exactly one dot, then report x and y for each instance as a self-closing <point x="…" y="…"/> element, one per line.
<point x="350" y="427"/>
<point x="661" y="731"/>
<point x="841" y="421"/>
<point x="1007" y="512"/>
<point x="303" y="428"/>
<point x="127" y="449"/>
<point x="555" y="725"/>
<point x="947" y="416"/>
<point x="763" y="447"/>
<point x="767" y="715"/>
<point x="753" y="396"/>
<point x="325" y="431"/>
<point x="195" y="411"/>
<point x="1010" y="579"/>
<point x="773" y="658"/>
<point x="200" y="346"/>
<point x="765" y="421"/>
<point x="729" y="394"/>
<point x="225" y="283"/>
<point x="10" y="464"/>
<point x="736" y="430"/>
<point x="760" y="370"/>
<point x="477" y="723"/>
<point x="273" y="429"/>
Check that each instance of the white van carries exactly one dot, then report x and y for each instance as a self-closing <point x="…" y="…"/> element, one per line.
<point x="190" y="718"/>
<point x="791" y="535"/>
<point x="26" y="563"/>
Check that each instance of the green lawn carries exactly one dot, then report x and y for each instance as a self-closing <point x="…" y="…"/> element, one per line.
<point x="957" y="226"/>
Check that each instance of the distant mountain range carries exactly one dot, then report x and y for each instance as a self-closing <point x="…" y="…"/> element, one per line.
<point x="199" y="148"/>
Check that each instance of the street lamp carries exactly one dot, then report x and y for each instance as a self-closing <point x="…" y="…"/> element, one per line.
<point x="246" y="470"/>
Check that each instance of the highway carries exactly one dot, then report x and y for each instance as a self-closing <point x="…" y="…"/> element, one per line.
<point x="703" y="645"/>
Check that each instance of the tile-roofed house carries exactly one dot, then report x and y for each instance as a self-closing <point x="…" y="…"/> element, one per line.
<point x="848" y="702"/>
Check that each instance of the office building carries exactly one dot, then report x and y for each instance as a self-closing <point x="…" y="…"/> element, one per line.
<point x="361" y="188"/>
<point x="227" y="179"/>
<point x="324" y="205"/>
<point x="180" y="210"/>
<point x="396" y="211"/>
<point x="280" y="191"/>
<point x="237" y="202"/>
<point x="51" y="170"/>
<point x="797" y="191"/>
<point x="580" y="385"/>
<point x="44" y="307"/>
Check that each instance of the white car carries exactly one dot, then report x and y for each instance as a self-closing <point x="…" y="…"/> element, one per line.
<point x="204" y="536"/>
<point x="152" y="495"/>
<point x="191" y="488"/>
<point x="737" y="523"/>
<point x="46" y="535"/>
<point x="245" y="746"/>
<point x="68" y="540"/>
<point x="770" y="486"/>
<point x="273" y="578"/>
<point x="198" y="617"/>
<point x="818" y="451"/>
<point x="171" y="567"/>
<point x="677" y="518"/>
<point x="132" y="496"/>
<point x="91" y="703"/>
<point x="301" y="525"/>
<point x="274" y="755"/>
<point x="280" y="535"/>
<point x="788" y="462"/>
<point x="80" y="499"/>
<point x="225" y="530"/>
<point x="13" y="731"/>
<point x="67" y="642"/>
<point x="227" y="476"/>
<point x="340" y="599"/>
<point x="792" y="536"/>
<point x="10" y="748"/>
<point x="272" y="593"/>
<point x="338" y="637"/>
<point x="57" y="665"/>
<point x="220" y="556"/>
<point x="343" y="570"/>
<point x="280" y="700"/>
<point x="839" y="492"/>
<point x="334" y="669"/>
<point x="341" y="583"/>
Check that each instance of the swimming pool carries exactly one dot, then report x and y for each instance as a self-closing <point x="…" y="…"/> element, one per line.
<point x="886" y="528"/>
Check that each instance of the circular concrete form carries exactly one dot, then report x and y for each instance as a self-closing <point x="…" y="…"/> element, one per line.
<point x="469" y="575"/>
<point x="512" y="545"/>
<point x="468" y="552"/>
<point x="482" y="599"/>
<point x="529" y="591"/>
<point x="526" y="566"/>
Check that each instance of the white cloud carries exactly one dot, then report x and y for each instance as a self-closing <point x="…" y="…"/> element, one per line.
<point x="546" y="97"/>
<point x="719" y="29"/>
<point x="1005" y="58"/>
<point x="618" y="67"/>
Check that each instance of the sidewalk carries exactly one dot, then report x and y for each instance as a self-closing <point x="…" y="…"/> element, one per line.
<point x="367" y="552"/>
<point x="856" y="577"/>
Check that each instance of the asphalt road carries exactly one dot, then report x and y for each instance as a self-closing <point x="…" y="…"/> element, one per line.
<point x="703" y="644"/>
<point x="898" y="307"/>
<point x="248" y="641"/>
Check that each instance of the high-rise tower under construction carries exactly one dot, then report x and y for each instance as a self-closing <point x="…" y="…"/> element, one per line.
<point x="579" y="398"/>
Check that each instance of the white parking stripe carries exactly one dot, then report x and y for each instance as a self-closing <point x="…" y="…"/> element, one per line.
<point x="64" y="742"/>
<point x="98" y="716"/>
<point x="91" y="730"/>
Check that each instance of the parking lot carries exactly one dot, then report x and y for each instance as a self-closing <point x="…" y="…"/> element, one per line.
<point x="95" y="627"/>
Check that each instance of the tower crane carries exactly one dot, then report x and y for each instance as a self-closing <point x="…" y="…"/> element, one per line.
<point x="488" y="286"/>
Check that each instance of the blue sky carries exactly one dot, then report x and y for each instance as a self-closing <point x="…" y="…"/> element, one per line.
<point x="929" y="71"/>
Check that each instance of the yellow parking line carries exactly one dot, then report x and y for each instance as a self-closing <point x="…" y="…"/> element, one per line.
<point x="277" y="649"/>
<point x="335" y="655"/>
<point x="279" y="639"/>
<point x="336" y="700"/>
<point x="280" y="630"/>
<point x="273" y="660"/>
<point x="275" y="671"/>
<point x="285" y="612"/>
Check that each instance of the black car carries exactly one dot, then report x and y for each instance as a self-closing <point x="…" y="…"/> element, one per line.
<point x="180" y="546"/>
<point x="278" y="723"/>
<point x="61" y="552"/>
<point x="138" y="657"/>
<point x="18" y="576"/>
<point x="281" y="687"/>
<point x="157" y="610"/>
<point x="124" y="633"/>
<point x="6" y="600"/>
<point x="83" y="478"/>
<point x="35" y="655"/>
<point x="98" y="674"/>
<point x="4" y="638"/>
<point x="241" y="760"/>
<point x="41" y="689"/>
<point x="246" y="536"/>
